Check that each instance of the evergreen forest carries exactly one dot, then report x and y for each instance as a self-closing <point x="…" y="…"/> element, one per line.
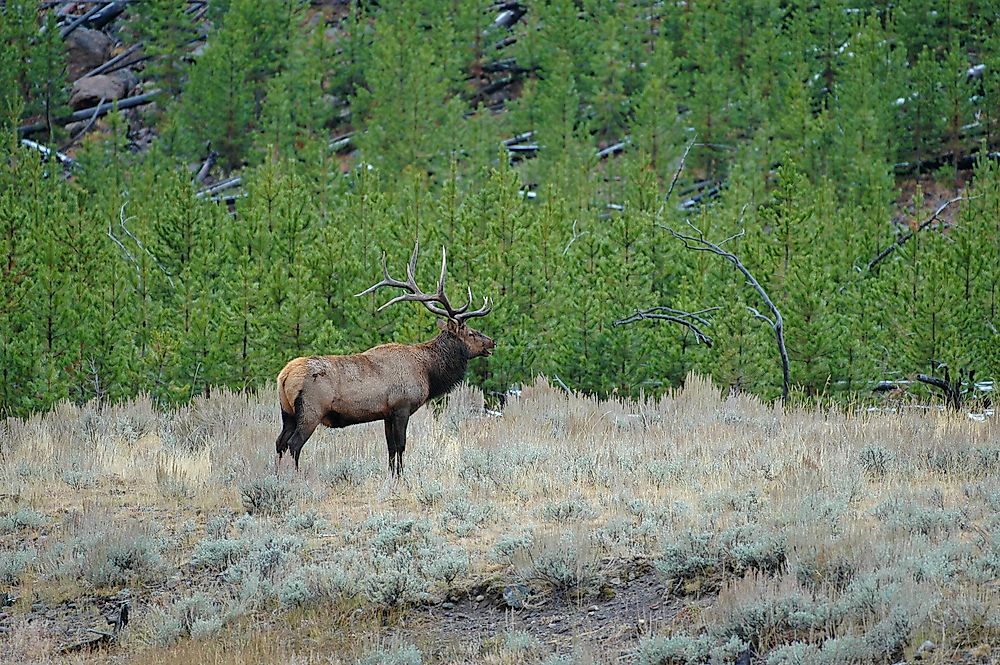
<point x="844" y="150"/>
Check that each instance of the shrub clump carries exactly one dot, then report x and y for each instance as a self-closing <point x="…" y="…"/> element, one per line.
<point x="267" y="495"/>
<point x="564" y="563"/>
<point x="13" y="564"/>
<point x="23" y="518"/>
<point x="219" y="553"/>
<point x="699" y="562"/>
<point x="117" y="556"/>
<point x="405" y="655"/>
<point x="196" y="616"/>
<point x="572" y="509"/>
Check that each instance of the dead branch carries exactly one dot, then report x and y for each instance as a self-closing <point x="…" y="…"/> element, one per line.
<point x="952" y="389"/>
<point x="121" y="222"/>
<point x="699" y="243"/>
<point x="881" y="256"/>
<point x="677" y="174"/>
<point x="561" y="384"/>
<point x="576" y="236"/>
<point x="690" y="320"/>
<point x="86" y="128"/>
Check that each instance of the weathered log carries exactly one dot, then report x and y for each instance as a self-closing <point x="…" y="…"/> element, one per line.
<point x="86" y="128"/>
<point x="613" y="149"/>
<point x="107" y="14"/>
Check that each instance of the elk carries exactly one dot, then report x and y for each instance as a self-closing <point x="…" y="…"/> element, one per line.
<point x="388" y="382"/>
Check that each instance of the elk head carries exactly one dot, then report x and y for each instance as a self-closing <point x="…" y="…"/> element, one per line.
<point x="453" y="319"/>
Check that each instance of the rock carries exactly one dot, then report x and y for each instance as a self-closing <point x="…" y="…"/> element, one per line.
<point x="448" y="605"/>
<point x="85" y="49"/>
<point x="87" y="92"/>
<point x="925" y="649"/>
<point x="480" y="598"/>
<point x="515" y="595"/>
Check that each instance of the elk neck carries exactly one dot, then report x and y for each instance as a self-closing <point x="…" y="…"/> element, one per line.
<point x="447" y="359"/>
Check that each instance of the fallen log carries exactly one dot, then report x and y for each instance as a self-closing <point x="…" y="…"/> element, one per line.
<point x="84" y="114"/>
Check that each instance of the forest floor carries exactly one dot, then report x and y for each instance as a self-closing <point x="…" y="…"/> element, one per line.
<point x="693" y="528"/>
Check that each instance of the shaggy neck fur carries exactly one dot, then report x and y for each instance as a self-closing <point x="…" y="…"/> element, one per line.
<point x="447" y="362"/>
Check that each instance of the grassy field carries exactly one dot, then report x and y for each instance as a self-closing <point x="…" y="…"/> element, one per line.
<point x="694" y="528"/>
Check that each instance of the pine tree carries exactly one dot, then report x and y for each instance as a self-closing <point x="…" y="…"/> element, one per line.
<point x="19" y="348"/>
<point x="165" y="29"/>
<point x="408" y="112"/>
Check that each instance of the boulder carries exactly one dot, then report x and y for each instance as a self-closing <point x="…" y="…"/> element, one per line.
<point x="87" y="92"/>
<point x="85" y="49"/>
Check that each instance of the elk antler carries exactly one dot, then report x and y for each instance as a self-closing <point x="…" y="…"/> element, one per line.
<point x="414" y="294"/>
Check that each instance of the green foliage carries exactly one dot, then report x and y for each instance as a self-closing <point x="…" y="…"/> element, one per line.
<point x="32" y="64"/>
<point x="165" y="28"/>
<point x="120" y="280"/>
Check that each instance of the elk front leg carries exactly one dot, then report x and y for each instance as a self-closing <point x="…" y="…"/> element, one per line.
<point x="395" y="434"/>
<point x="390" y="443"/>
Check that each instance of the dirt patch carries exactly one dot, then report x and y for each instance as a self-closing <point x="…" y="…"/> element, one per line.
<point x="610" y="625"/>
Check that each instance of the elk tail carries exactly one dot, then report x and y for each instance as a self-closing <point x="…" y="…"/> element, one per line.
<point x="286" y="405"/>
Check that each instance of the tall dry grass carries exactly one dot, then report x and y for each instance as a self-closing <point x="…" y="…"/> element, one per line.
<point x="814" y="534"/>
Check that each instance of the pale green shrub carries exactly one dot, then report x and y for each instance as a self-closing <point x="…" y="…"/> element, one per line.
<point x="14" y="563"/>
<point x="22" y="518"/>
<point x="405" y="655"/>
<point x="267" y="495"/>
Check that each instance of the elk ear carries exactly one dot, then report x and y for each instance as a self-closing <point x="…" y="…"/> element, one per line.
<point x="442" y="324"/>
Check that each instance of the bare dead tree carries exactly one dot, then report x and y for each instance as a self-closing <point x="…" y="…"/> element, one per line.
<point x="576" y="236"/>
<point x="699" y="243"/>
<point x="690" y="320"/>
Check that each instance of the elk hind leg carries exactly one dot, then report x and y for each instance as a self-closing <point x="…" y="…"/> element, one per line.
<point x="287" y="429"/>
<point x="306" y="422"/>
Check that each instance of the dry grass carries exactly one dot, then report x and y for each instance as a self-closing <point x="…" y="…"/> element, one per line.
<point x="817" y="536"/>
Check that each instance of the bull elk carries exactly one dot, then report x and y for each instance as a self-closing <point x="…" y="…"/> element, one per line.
<point x="388" y="382"/>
